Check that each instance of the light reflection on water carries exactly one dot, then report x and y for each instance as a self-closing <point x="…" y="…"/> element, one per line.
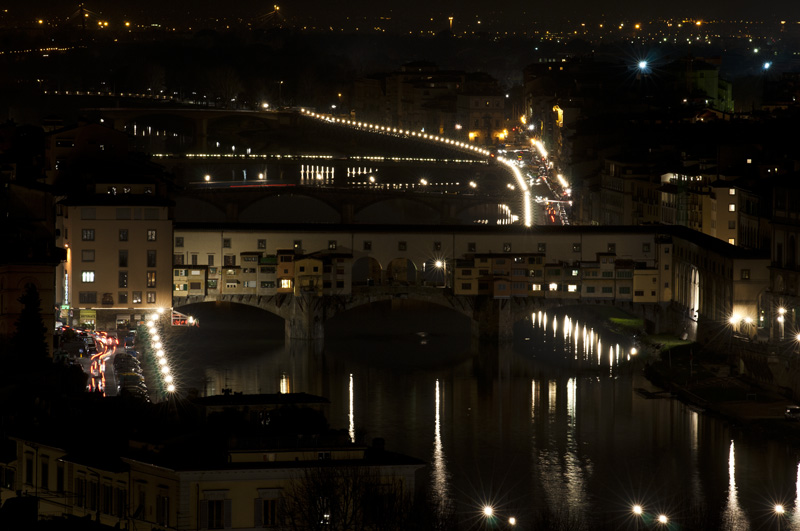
<point x="589" y="440"/>
<point x="733" y="518"/>
<point x="352" y="416"/>
<point x="439" y="472"/>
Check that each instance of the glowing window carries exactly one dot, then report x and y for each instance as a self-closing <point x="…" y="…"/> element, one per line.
<point x="286" y="282"/>
<point x="553" y="287"/>
<point x="87" y="276"/>
<point x="572" y="288"/>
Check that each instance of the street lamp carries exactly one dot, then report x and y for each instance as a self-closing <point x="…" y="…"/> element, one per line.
<point x="442" y="264"/>
<point x="637" y="513"/>
<point x="662" y="519"/>
<point x="779" y="510"/>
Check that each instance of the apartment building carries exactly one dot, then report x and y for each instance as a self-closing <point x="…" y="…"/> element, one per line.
<point x="119" y="245"/>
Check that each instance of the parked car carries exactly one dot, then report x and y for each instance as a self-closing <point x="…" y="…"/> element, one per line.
<point x="792" y="413"/>
<point x="125" y="360"/>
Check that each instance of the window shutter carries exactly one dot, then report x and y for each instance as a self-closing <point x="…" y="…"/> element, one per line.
<point x="203" y="514"/>
<point x="258" y="512"/>
<point x="227" y="513"/>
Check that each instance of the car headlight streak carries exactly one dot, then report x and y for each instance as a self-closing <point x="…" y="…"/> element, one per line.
<point x="521" y="185"/>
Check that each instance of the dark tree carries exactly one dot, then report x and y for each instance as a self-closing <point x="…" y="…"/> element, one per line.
<point x="30" y="337"/>
<point x="346" y="498"/>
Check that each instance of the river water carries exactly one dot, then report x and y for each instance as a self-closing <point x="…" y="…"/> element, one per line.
<point x="551" y="425"/>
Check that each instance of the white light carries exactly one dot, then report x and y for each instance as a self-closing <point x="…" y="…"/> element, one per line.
<point x="164" y="370"/>
<point x="488" y="511"/>
<point x="160" y="353"/>
<point x="162" y="361"/>
<point x="158" y="344"/>
<point x="642" y="65"/>
<point x="171" y="388"/>
<point x="168" y="378"/>
<point x="160" y="311"/>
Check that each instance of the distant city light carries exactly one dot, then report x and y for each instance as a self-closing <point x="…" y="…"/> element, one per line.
<point x="642" y="65"/>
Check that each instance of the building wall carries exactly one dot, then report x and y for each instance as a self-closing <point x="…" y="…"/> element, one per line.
<point x="93" y="236"/>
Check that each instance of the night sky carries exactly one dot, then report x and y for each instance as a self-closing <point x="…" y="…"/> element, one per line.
<point x="512" y="12"/>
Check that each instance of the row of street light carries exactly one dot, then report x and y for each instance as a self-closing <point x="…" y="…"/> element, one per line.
<point x="526" y="195"/>
<point x="642" y="518"/>
<point x="158" y="347"/>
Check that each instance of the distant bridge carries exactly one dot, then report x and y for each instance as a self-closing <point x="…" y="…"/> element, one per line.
<point x="283" y="146"/>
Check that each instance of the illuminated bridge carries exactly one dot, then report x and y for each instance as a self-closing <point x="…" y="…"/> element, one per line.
<point x="324" y="169"/>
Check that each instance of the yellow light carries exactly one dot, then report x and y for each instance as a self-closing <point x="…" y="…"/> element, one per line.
<point x="127" y="24"/>
<point x="699" y="22"/>
<point x="41" y="21"/>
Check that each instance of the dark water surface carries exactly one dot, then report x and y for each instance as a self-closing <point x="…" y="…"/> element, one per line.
<point x="552" y="422"/>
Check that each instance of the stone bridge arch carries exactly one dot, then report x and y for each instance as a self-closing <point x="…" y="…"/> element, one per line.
<point x="402" y="272"/>
<point x="189" y="207"/>
<point x="394" y="208"/>
<point x="305" y="315"/>
<point x="366" y="271"/>
<point x="295" y="207"/>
